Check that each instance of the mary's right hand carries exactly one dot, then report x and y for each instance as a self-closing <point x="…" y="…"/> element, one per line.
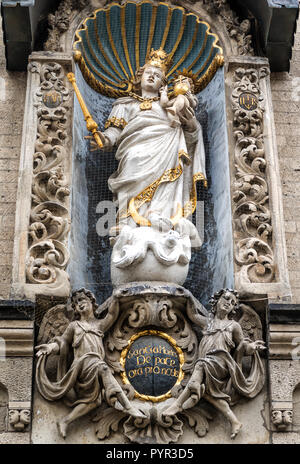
<point x="94" y="145"/>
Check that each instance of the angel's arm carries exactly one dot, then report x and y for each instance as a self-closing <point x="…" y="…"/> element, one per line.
<point x="248" y="346"/>
<point x="195" y="316"/>
<point x="111" y="316"/>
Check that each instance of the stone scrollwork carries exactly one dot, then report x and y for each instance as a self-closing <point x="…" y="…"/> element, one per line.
<point x="254" y="255"/>
<point x="48" y="255"/>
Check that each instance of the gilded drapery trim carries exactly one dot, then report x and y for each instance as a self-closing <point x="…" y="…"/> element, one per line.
<point x="115" y="122"/>
<point x="190" y="205"/>
<point x="171" y="175"/>
<point x="147" y="194"/>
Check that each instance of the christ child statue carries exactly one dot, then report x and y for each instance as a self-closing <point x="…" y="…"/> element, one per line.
<point x="180" y="108"/>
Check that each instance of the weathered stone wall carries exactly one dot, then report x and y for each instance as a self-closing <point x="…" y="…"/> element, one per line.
<point x="286" y="104"/>
<point x="12" y="97"/>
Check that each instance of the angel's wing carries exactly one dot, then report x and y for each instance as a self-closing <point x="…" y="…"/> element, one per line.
<point x="249" y="322"/>
<point x="54" y="323"/>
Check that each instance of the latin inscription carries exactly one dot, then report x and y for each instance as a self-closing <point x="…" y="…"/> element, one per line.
<point x="152" y="365"/>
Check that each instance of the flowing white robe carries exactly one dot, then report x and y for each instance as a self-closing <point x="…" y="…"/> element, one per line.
<point x="152" y="160"/>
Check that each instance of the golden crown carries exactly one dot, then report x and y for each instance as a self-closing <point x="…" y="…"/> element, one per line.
<point x="159" y="58"/>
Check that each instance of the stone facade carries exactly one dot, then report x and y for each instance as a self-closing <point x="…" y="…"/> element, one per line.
<point x="276" y="406"/>
<point x="12" y="101"/>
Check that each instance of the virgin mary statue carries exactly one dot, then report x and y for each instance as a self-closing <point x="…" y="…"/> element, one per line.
<point x="159" y="164"/>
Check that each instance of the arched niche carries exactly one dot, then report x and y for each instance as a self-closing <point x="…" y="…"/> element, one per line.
<point x="248" y="250"/>
<point x="211" y="267"/>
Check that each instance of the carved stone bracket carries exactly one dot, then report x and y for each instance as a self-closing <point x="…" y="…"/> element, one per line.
<point x="282" y="419"/>
<point x="284" y="378"/>
<point x="19" y="417"/>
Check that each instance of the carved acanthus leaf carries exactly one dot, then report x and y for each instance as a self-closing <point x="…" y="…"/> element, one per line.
<point x="198" y="418"/>
<point x="163" y="430"/>
<point x="108" y="422"/>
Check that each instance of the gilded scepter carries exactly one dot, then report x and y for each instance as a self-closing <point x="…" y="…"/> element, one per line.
<point x="91" y="125"/>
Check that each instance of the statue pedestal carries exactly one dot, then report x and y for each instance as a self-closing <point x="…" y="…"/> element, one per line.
<point x="150" y="269"/>
<point x="149" y="254"/>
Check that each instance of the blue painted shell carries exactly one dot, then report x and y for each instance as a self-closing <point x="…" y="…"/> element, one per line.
<point x="115" y="41"/>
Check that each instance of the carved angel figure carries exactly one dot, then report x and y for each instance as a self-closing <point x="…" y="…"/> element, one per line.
<point x="80" y="384"/>
<point x="218" y="374"/>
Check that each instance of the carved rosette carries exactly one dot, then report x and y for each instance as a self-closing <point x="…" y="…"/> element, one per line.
<point x="47" y="255"/>
<point x="254" y="255"/>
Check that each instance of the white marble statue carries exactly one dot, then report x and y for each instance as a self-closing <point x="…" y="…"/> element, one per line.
<point x="159" y="164"/>
<point x="155" y="183"/>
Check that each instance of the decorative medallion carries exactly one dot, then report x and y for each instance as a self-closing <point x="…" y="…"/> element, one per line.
<point x="152" y="364"/>
<point x="248" y="101"/>
<point x="52" y="99"/>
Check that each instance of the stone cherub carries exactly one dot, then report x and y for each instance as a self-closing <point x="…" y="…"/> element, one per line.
<point x="218" y="374"/>
<point x="81" y="383"/>
<point x="180" y="108"/>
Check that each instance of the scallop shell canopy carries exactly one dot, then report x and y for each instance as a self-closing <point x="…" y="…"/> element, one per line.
<point x="115" y="41"/>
